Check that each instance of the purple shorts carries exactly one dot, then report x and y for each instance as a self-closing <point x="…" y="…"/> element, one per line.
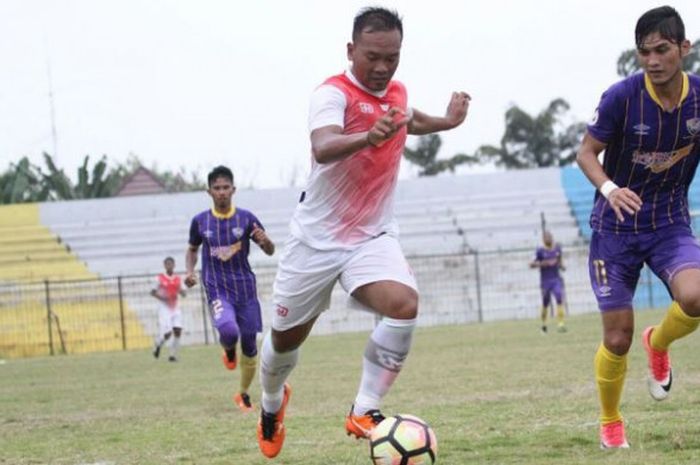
<point x="555" y="288"/>
<point x="246" y="315"/>
<point x="615" y="261"/>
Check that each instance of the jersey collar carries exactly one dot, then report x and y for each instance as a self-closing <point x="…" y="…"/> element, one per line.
<point x="224" y="216"/>
<point x="652" y="93"/>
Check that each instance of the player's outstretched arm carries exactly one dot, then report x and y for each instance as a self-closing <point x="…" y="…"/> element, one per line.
<point x="455" y="115"/>
<point x="329" y="144"/>
<point x="190" y="263"/>
<point x="621" y="199"/>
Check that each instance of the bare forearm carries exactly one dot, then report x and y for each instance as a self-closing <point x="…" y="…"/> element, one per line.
<point x="190" y="260"/>
<point x="334" y="147"/>
<point x="426" y="124"/>
<point x="268" y="247"/>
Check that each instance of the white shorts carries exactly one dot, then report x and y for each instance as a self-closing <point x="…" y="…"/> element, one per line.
<point x="169" y="318"/>
<point x="306" y="276"/>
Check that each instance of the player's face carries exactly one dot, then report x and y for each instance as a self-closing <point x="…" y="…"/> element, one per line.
<point x="375" y="57"/>
<point x="169" y="266"/>
<point x="660" y="58"/>
<point x="221" y="191"/>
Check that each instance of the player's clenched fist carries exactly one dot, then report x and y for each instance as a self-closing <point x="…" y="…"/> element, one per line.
<point x="387" y="126"/>
<point x="457" y="108"/>
<point x="190" y="280"/>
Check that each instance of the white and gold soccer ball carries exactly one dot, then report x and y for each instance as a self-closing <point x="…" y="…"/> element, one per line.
<point x="403" y="440"/>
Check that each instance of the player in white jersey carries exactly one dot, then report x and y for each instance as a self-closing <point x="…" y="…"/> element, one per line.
<point x="344" y="228"/>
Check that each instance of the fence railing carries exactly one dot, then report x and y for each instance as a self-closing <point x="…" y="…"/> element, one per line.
<point x="118" y="313"/>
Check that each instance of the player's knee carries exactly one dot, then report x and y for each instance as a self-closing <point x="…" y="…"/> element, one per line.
<point x="405" y="308"/>
<point x="689" y="301"/>
<point x="619" y="341"/>
<point x="228" y="334"/>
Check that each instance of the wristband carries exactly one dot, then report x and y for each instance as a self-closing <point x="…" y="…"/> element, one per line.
<point x="607" y="187"/>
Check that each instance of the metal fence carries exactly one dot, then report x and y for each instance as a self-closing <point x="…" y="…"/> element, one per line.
<point x="118" y="313"/>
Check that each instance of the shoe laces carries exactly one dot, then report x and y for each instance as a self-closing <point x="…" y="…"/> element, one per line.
<point x="268" y="421"/>
<point x="659" y="364"/>
<point x="614" y="434"/>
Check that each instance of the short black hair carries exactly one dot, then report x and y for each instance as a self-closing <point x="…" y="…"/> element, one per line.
<point x="219" y="172"/>
<point x="169" y="259"/>
<point x="372" y="19"/>
<point x="665" y="20"/>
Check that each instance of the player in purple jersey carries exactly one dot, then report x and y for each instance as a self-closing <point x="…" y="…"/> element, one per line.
<point x="549" y="260"/>
<point x="648" y="125"/>
<point x="225" y="232"/>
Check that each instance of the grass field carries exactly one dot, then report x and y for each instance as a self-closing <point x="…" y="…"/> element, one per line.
<point x="497" y="393"/>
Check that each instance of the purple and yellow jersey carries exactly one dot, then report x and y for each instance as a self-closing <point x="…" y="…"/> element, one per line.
<point x="650" y="151"/>
<point x="550" y="270"/>
<point x="225" y="241"/>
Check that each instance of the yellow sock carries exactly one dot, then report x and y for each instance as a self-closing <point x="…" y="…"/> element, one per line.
<point x="675" y="325"/>
<point x="543" y="315"/>
<point x="248" y="365"/>
<point x="610" y="371"/>
<point x="560" y="314"/>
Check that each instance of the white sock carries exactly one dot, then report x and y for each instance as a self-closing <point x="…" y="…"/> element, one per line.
<point x="385" y="353"/>
<point x="174" y="346"/>
<point x="275" y="368"/>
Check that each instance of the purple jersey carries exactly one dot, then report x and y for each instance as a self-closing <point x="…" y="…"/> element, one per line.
<point x="650" y="151"/>
<point x="225" y="241"/>
<point x="549" y="271"/>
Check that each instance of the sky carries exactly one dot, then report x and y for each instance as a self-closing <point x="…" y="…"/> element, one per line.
<point x="199" y="83"/>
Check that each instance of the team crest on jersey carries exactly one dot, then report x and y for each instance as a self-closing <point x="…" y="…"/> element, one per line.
<point x="208" y="234"/>
<point x="641" y="129"/>
<point x="693" y="126"/>
<point x="366" y="107"/>
<point x="238" y="232"/>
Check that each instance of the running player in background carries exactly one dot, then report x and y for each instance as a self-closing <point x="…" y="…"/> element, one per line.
<point x="344" y="228"/>
<point x="549" y="260"/>
<point x="649" y="126"/>
<point x="225" y="233"/>
<point x="167" y="289"/>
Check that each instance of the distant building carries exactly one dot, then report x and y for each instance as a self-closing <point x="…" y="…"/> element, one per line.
<point x="141" y="182"/>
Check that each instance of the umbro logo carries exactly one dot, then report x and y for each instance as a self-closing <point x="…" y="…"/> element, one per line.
<point x="641" y="129"/>
<point x="384" y="106"/>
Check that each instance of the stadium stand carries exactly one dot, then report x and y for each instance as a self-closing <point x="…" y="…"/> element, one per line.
<point x="29" y="254"/>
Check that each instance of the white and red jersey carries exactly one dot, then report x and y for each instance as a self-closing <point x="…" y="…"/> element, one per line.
<point x="169" y="287"/>
<point x="350" y="201"/>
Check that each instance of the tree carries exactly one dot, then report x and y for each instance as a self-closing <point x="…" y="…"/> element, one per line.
<point x="531" y="142"/>
<point x="425" y="156"/>
<point x="21" y="182"/>
<point x="627" y="64"/>
<point x="95" y="183"/>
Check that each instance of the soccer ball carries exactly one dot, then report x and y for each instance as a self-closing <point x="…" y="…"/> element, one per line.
<point x="403" y="440"/>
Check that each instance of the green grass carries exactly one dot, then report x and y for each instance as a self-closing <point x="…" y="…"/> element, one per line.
<point x="497" y="393"/>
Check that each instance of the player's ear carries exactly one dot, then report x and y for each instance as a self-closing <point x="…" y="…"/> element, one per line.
<point x="350" y="49"/>
<point x="685" y="48"/>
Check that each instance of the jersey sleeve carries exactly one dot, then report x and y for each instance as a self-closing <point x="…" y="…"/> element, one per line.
<point x="327" y="107"/>
<point x="195" y="237"/>
<point x="253" y="221"/>
<point x="608" y="117"/>
<point x="156" y="284"/>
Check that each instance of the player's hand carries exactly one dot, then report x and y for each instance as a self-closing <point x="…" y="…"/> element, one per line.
<point x="259" y="236"/>
<point x="190" y="280"/>
<point x="387" y="126"/>
<point x="624" y="200"/>
<point x="457" y="108"/>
